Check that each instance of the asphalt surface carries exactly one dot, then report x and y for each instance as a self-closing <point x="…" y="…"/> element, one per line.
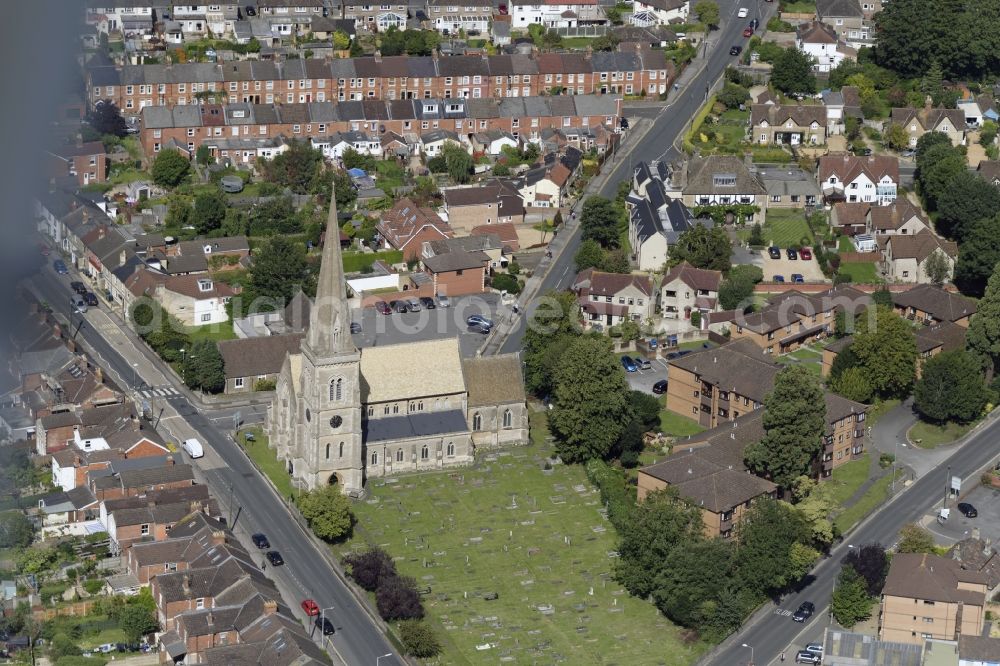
<point x="772" y="634"/>
<point x="658" y="142"/>
<point x="239" y="489"/>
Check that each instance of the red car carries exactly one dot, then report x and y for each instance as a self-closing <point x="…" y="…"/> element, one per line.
<point x="310" y="607"/>
<point x="44" y="249"/>
<point x="805" y="253"/>
<point x="382" y="307"/>
<point x="748" y="32"/>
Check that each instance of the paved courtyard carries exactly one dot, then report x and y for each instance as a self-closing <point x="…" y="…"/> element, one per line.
<point x="809" y="270"/>
<point x="958" y="527"/>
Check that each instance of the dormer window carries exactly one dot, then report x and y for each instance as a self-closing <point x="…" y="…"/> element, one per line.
<point x="724" y="180"/>
<point x="430" y="108"/>
<point x="204" y="285"/>
<point x="238" y="113"/>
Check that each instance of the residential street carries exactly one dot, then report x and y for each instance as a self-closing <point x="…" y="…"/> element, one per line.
<point x="232" y="479"/>
<point x="655" y="141"/>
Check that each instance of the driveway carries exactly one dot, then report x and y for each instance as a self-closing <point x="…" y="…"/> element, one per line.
<point x="434" y="324"/>
<point x="808" y="269"/>
<point x="889" y="436"/>
<point x="958" y="527"/>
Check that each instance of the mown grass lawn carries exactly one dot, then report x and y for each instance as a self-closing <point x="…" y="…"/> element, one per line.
<point x="675" y="425"/>
<point x="786" y="227"/>
<point x="847" y="478"/>
<point x="877" y="494"/>
<point x="539" y="539"/>
<point x="216" y="332"/>
<point x="931" y="435"/>
<point x="265" y="459"/>
<point x="860" y="271"/>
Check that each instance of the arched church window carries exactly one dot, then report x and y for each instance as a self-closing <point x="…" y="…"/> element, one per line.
<point x="327" y="450"/>
<point x="336" y="389"/>
<point x="341" y="449"/>
<point x="399" y="455"/>
<point x="451" y="449"/>
<point x="477" y="421"/>
<point x="508" y="418"/>
<point x="424" y="452"/>
<point x="374" y="457"/>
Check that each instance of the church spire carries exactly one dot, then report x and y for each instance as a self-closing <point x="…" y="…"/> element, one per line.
<point x="329" y="318"/>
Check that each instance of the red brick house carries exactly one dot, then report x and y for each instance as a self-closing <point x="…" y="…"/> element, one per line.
<point x="87" y="162"/>
<point x="457" y="273"/>
<point x="406" y="226"/>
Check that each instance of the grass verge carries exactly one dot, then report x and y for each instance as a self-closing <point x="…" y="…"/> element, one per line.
<point x="266" y="460"/>
<point x="931" y="435"/>
<point x="877" y="494"/>
<point x="847" y="478"/>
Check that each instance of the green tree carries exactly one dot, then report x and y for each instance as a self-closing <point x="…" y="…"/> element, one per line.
<point x="209" y="212"/>
<point x="504" y="282"/>
<point x="707" y="12"/>
<point x="554" y="328"/>
<point x="16" y="531"/>
<point x="853" y="384"/>
<point x="915" y="539"/>
<point x="691" y="579"/>
<point x="967" y="200"/>
<point x="179" y="214"/>
<point x="983" y="335"/>
<point x="756" y="235"/>
<point x="887" y="351"/>
<point x="136" y="621"/>
<point x="203" y="368"/>
<point x="295" y="168"/>
<point x="328" y="512"/>
<point x="792" y="72"/>
<point x="616" y="261"/>
<point x="590" y="405"/>
<point x="341" y="41"/>
<point x="733" y="95"/>
<point x="590" y="255"/>
<point x="235" y="223"/>
<point x="815" y="504"/>
<point x="279" y="268"/>
<point x="951" y="388"/>
<point x="345" y="192"/>
<point x="661" y="523"/>
<point x="927" y="141"/>
<point x="851" y="603"/>
<point x="599" y="220"/>
<point x="766" y="536"/>
<point x="62" y="645"/>
<point x="105" y="118"/>
<point x="703" y="248"/>
<point x="940" y="166"/>
<point x="978" y="255"/>
<point x="896" y="137"/>
<point x="737" y="288"/>
<point x="937" y="267"/>
<point x="914" y="34"/>
<point x="794" y="422"/>
<point x="932" y="85"/>
<point x="872" y="564"/>
<point x="170" y="168"/>
<point x="419" y="639"/>
<point x="352" y="159"/>
<point x="203" y="155"/>
<point x="459" y="163"/>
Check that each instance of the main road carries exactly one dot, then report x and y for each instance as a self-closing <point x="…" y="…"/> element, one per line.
<point x="237" y="486"/>
<point x="658" y="141"/>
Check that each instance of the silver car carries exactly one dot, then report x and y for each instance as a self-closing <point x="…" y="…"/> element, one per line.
<point x="414" y="305"/>
<point x="443" y="302"/>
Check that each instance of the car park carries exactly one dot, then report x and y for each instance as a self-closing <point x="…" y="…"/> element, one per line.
<point x="310" y="607"/>
<point x="797" y="278"/>
<point x="629" y="364"/>
<point x="260" y="540"/>
<point x="473" y="320"/>
<point x="660" y="387"/>
<point x="427" y="302"/>
<point x="743" y="12"/>
<point x="748" y="32"/>
<point x="967" y="510"/>
<point x="736" y="50"/>
<point x="382" y="307"/>
<point x="275" y="558"/>
<point x="774" y="252"/>
<point x="791" y="254"/>
<point x="91" y="299"/>
<point x="398" y="306"/>
<point x="804" y="657"/>
<point x="780" y="279"/>
<point x="805" y="254"/>
<point x="323" y="624"/>
<point x="413" y="305"/>
<point x="804" y="611"/>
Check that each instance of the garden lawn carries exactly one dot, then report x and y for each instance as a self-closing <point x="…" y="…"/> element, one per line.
<point x="859" y="271"/>
<point x="539" y="540"/>
<point x="266" y="460"/>
<point x="786" y="227"/>
<point x="847" y="478"/>
<point x="216" y="332"/>
<point x="845" y="244"/>
<point x="798" y="6"/>
<point x="930" y="435"/>
<point x="389" y="176"/>
<point x="675" y="425"/>
<point x="877" y="494"/>
<point x="357" y="262"/>
<point x="726" y="135"/>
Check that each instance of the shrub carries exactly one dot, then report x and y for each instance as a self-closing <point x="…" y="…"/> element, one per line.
<point x="885" y="460"/>
<point x="614" y="494"/>
<point x="419" y="639"/>
<point x="265" y="385"/>
<point x="397" y="599"/>
<point x="370" y="567"/>
<point x="93" y="586"/>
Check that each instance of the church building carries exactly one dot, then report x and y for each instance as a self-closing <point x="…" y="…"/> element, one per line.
<point x="342" y="415"/>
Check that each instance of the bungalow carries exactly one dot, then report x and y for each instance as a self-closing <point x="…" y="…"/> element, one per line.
<point x="918" y="122"/>
<point x="772" y="124"/>
<point x="406" y="226"/>
<point x="505" y="231"/>
<point x="493" y="142"/>
<point x="905" y="258"/>
<point x="930" y="304"/>
<point x="789" y="187"/>
<point x="488" y="244"/>
<point x="253" y="364"/>
<point x="850" y="178"/>
<point x="609" y="299"/>
<point x="686" y="289"/>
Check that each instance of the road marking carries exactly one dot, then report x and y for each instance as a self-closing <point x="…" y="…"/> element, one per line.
<point x="782" y="611"/>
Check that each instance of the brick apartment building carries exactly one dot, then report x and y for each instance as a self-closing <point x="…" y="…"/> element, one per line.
<point x="929" y="304"/>
<point x="189" y="127"/>
<point x="302" y="81"/>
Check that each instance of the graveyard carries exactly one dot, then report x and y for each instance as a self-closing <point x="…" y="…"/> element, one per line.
<point x="515" y="561"/>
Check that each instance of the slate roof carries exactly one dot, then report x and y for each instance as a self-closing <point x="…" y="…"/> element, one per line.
<point x="978" y="649"/>
<point x="895" y="215"/>
<point x="851" y="214"/>
<point x="933" y="578"/>
<point x="142" y="478"/>
<point x="990" y="171"/>
<point x="775" y="114"/>
<point x="494" y="380"/>
<point x="419" y="424"/>
<point x="946" y="335"/>
<point x="249" y="357"/>
<point x="838" y="8"/>
<point x="455" y="261"/>
<point x="814" y="32"/>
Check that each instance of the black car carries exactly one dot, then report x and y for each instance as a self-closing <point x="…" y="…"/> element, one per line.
<point x="967" y="510"/>
<point x="755" y="23"/>
<point x="91" y="298"/>
<point x="323" y="624"/>
<point x="399" y="306"/>
<point x="804" y="612"/>
<point x="736" y="50"/>
<point x="660" y="387"/>
<point x="78" y="287"/>
<point x="355" y="327"/>
<point x="774" y="252"/>
<point x="428" y="302"/>
<point x="275" y="558"/>
<point x="251" y="11"/>
<point x="791" y="253"/>
<point x="260" y="540"/>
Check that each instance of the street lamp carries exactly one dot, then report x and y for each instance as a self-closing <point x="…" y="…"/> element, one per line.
<point x="322" y="622"/>
<point x="134" y="366"/>
<point x="751" y="652"/>
<point x="378" y="659"/>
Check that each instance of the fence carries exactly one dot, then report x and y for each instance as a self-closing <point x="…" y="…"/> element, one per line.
<point x="583" y="31"/>
<point x="860" y="256"/>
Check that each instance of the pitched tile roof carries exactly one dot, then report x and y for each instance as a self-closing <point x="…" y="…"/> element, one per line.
<point x="941" y="304"/>
<point x="946" y="335"/>
<point x="932" y="578"/>
<point x="702" y="172"/>
<point x="814" y="32"/>
<point x="929" y="119"/>
<point x="494" y="380"/>
<point x="611" y="284"/>
<point x="739" y="366"/>
<point x="406" y="219"/>
<point x="696" y="278"/>
<point x="920" y="246"/>
<point x="849" y="167"/>
<point x="895" y="215"/>
<point x="250" y="357"/>
<point x="851" y="213"/>
<point x="802" y="116"/>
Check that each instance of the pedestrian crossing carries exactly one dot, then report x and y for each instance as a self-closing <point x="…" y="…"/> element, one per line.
<point x="159" y="392"/>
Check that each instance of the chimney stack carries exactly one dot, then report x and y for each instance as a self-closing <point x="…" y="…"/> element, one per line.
<point x="186" y="584"/>
<point x="210" y="619"/>
<point x="270" y="607"/>
<point x="218" y="537"/>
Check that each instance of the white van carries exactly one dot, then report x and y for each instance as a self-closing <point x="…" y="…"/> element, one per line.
<point x="193" y="448"/>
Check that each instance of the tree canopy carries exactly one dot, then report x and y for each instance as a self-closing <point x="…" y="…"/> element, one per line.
<point x="279" y="268"/>
<point x="599" y="220"/>
<point x="951" y="388"/>
<point x="792" y="72"/>
<point x="105" y="118"/>
<point x="707" y="12"/>
<point x="978" y="255"/>
<point x="936" y="170"/>
<point x="851" y="602"/>
<point x="737" y="288"/>
<point x="170" y="168"/>
<point x="209" y="212"/>
<point x="886" y="349"/>
<point x="703" y="248"/>
<point x="328" y="512"/>
<point x="553" y="328"/>
<point x="967" y="200"/>
<point x="983" y="335"/>
<point x="203" y="368"/>
<point x="294" y="168"/>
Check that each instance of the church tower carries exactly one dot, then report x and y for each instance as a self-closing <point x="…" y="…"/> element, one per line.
<point x="331" y="446"/>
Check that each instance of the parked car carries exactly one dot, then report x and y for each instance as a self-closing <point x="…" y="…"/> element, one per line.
<point x="629" y="364"/>
<point x="355" y="327"/>
<point x="660" y="387"/>
<point x="743" y="12"/>
<point x="967" y="510"/>
<point x="797" y="278"/>
<point x="736" y="50"/>
<point x="443" y="302"/>
<point x="413" y="305"/>
<point x="678" y="354"/>
<point x="754" y="23"/>
<point x="310" y="607"/>
<point x="323" y="624"/>
<point x="804" y="612"/>
<point x="791" y="253"/>
<point x="805" y="657"/>
<point x="260" y="540"/>
<point x="91" y="299"/>
<point x="382" y="307"/>
<point x="482" y="329"/>
<point x="398" y="306"/>
<point x="774" y="252"/>
<point x="78" y="287"/>
<point x="427" y="302"/>
<point x="644" y="364"/>
<point x="251" y="11"/>
<point x="806" y="254"/>
<point x="815" y="648"/>
<point x="275" y="558"/>
<point x="79" y="305"/>
<point x="908" y="153"/>
<point x="748" y="32"/>
<point x="472" y="320"/>
<point x="780" y="279"/>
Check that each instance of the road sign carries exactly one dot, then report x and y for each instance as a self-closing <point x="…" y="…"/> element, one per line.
<point x="956" y="484"/>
